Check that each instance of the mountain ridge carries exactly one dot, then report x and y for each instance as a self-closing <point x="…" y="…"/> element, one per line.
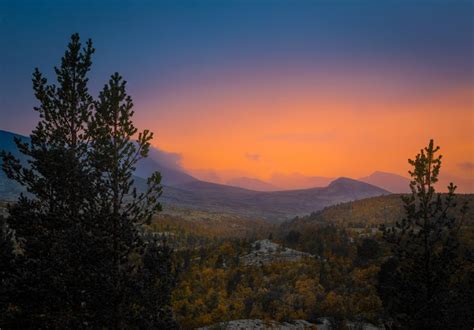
<point x="184" y="190"/>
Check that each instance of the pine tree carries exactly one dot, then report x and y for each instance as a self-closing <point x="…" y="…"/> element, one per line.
<point x="113" y="156"/>
<point x="416" y="283"/>
<point x="52" y="219"/>
<point x="79" y="226"/>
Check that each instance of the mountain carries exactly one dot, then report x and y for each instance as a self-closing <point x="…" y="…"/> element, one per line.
<point x="252" y="184"/>
<point x="181" y="189"/>
<point x="274" y="206"/>
<point x="388" y="181"/>
<point x="298" y="181"/>
<point x="8" y="144"/>
<point x="170" y="176"/>
<point x="370" y="212"/>
<point x="399" y="184"/>
<point x="9" y="190"/>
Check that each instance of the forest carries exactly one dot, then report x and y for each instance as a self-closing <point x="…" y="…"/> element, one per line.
<point x="85" y="248"/>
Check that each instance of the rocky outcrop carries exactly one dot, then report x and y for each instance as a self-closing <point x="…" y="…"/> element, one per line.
<point x="265" y="252"/>
<point x="261" y="324"/>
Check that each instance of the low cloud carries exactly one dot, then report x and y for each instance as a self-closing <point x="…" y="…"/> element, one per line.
<point x="254" y="157"/>
<point x="167" y="159"/>
<point x="466" y="166"/>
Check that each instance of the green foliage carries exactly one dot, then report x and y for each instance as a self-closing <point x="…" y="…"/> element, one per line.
<point x="418" y="282"/>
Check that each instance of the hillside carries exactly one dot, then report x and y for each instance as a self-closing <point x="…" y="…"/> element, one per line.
<point x="275" y="206"/>
<point x="251" y="184"/>
<point x="369" y="212"/>
<point x="209" y="224"/>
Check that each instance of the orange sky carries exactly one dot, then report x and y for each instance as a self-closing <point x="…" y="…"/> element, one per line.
<point x="349" y="126"/>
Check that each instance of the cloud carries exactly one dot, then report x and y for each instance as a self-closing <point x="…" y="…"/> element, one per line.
<point x="254" y="157"/>
<point x="167" y="159"/>
<point x="466" y="166"/>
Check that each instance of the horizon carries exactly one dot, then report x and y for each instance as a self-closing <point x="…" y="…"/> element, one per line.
<point x="262" y="89"/>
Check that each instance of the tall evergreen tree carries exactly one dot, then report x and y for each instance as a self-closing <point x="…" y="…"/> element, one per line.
<point x="79" y="225"/>
<point x="417" y="284"/>
<point x="113" y="156"/>
<point x="51" y="219"/>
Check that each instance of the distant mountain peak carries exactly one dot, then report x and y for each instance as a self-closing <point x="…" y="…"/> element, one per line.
<point x="348" y="183"/>
<point x="389" y="181"/>
<point x="343" y="179"/>
<point x="383" y="173"/>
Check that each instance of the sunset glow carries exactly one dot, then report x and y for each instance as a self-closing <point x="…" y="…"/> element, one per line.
<point x="306" y="127"/>
<point x="265" y="88"/>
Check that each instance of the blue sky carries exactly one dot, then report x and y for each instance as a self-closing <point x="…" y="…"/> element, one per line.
<point x="174" y="42"/>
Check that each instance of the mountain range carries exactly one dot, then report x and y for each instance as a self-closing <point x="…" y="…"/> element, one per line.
<point x="275" y="205"/>
<point x="252" y="184"/>
<point x="391" y="182"/>
<point x="261" y="201"/>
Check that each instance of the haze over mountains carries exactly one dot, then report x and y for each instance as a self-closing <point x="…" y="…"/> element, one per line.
<point x="388" y="181"/>
<point x="252" y="184"/>
<point x="274" y="206"/>
<point x="245" y="196"/>
<point x="391" y="182"/>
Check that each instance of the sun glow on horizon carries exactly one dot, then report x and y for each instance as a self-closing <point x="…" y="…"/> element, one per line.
<point x="345" y="125"/>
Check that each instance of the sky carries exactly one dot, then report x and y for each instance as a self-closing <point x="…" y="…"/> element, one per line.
<point x="262" y="88"/>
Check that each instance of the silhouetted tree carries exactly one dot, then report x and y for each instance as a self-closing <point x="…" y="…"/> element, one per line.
<point x="54" y="219"/>
<point x="416" y="284"/>
<point x="113" y="156"/>
<point x="80" y="223"/>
